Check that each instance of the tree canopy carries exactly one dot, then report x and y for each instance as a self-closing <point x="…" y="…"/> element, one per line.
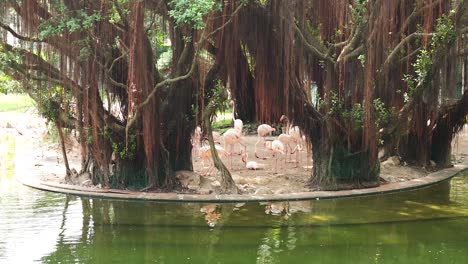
<point x="134" y="78"/>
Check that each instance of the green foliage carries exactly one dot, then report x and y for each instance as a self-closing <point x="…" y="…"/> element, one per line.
<point x="126" y="153"/>
<point x="444" y="36"/>
<point x="445" y="33"/>
<point x="51" y="103"/>
<point x="219" y="98"/>
<point x="362" y="59"/>
<point x="358" y="116"/>
<point x="222" y="125"/>
<point x="422" y="65"/>
<point x="50" y="110"/>
<point x="359" y="11"/>
<point x="336" y="104"/>
<point x="7" y="58"/>
<point x="192" y="12"/>
<point x="68" y="21"/>
<point x="114" y="15"/>
<point x="314" y="31"/>
<point x="8" y="84"/>
<point x="384" y="115"/>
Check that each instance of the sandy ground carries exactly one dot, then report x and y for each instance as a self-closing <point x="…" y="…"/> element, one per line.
<point x="276" y="174"/>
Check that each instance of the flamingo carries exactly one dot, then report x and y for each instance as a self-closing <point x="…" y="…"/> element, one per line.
<point x="205" y="155"/>
<point x="196" y="139"/>
<point x="286" y="140"/>
<point x="232" y="137"/>
<point x="276" y="147"/>
<point x="296" y="137"/>
<point x="263" y="131"/>
<point x="216" y="137"/>
<point x="284" y="119"/>
<point x="238" y="124"/>
<point x="251" y="165"/>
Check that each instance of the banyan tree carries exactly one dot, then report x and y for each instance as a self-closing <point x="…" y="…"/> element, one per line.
<point x="133" y="78"/>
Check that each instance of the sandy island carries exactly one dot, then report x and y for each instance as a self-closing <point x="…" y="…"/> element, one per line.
<point x="289" y="177"/>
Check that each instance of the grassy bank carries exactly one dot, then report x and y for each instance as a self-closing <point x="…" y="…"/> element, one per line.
<point x="15" y="102"/>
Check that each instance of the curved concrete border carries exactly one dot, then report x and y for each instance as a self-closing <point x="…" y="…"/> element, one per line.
<point x="431" y="179"/>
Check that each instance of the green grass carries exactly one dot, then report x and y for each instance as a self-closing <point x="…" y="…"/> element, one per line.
<point x="15" y="102"/>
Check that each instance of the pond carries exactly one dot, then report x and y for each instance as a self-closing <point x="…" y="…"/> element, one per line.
<point x="421" y="226"/>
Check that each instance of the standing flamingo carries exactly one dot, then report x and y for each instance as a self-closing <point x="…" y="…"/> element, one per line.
<point x="196" y="140"/>
<point x="238" y="124"/>
<point x="286" y="124"/>
<point x="296" y="136"/>
<point x="231" y="138"/>
<point x="205" y="156"/>
<point x="263" y="131"/>
<point x="286" y="140"/>
<point x="276" y="147"/>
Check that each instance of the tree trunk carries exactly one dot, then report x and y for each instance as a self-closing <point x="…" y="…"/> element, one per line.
<point x="227" y="183"/>
<point x="334" y="167"/>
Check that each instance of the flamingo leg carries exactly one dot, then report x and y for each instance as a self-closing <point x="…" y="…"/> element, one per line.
<point x="256" y="155"/>
<point x="230" y="156"/>
<point x="276" y="164"/>
<point x="210" y="169"/>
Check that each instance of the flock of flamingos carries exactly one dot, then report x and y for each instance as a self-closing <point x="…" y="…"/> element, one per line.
<point x="291" y="141"/>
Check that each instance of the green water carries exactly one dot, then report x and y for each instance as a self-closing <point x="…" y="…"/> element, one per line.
<point x="424" y="226"/>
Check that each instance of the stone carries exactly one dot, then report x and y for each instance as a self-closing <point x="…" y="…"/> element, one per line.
<point x="207" y="186"/>
<point x="188" y="178"/>
<point x="381" y="153"/>
<point x="391" y="162"/>
<point x="86" y="183"/>
<point x="263" y="190"/>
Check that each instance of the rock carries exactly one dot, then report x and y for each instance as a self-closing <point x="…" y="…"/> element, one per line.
<point x="280" y="191"/>
<point x="188" y="178"/>
<point x="391" y="162"/>
<point x="241" y="181"/>
<point x="433" y="164"/>
<point x="207" y="186"/>
<point x="263" y="190"/>
<point x="86" y="183"/>
<point x="216" y="184"/>
<point x="381" y="153"/>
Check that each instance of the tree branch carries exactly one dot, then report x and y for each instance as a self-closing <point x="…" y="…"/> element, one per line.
<point x="416" y="12"/>
<point x="354" y="40"/>
<point x="18" y="36"/>
<point x="313" y="48"/>
<point x="393" y="55"/>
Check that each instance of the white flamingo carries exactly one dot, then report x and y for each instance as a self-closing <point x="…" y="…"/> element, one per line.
<point x="251" y="165"/>
<point x="216" y="137"/>
<point x="287" y="125"/>
<point x="296" y="136"/>
<point x="238" y="124"/>
<point x="196" y="140"/>
<point x="263" y="131"/>
<point x="231" y="138"/>
<point x="276" y="147"/>
<point x="287" y="140"/>
<point x="205" y="156"/>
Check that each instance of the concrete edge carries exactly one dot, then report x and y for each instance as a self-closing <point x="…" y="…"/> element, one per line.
<point x="431" y="179"/>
